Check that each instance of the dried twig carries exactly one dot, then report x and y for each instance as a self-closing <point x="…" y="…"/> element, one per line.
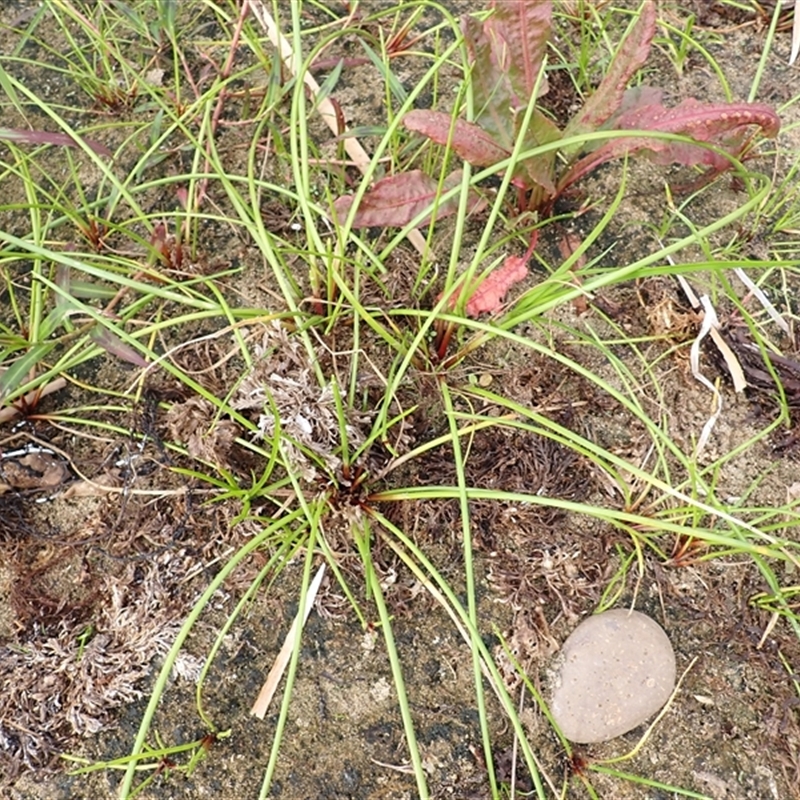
<point x="270" y="686"/>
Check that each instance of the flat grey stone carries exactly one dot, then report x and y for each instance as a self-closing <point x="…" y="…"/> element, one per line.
<point x="615" y="670"/>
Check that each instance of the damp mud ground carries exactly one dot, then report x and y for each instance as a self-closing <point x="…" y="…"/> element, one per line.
<point x="107" y="541"/>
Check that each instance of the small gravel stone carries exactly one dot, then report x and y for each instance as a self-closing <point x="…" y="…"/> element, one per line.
<point x="615" y="670"/>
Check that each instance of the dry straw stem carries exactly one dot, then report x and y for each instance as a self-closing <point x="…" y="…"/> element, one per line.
<point x="327" y="111"/>
<point x="710" y="326"/>
<point x="763" y="299"/>
<point x="270" y="686"/>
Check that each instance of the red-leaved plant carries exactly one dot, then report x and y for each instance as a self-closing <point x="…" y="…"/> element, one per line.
<point x="507" y="52"/>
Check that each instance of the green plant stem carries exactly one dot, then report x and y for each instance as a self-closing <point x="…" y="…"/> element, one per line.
<point x="469" y="575"/>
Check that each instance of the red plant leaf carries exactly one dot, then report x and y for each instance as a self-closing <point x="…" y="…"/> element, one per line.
<point x="518" y="32"/>
<point x="396" y="200"/>
<point x="469" y="140"/>
<point x="111" y="343"/>
<point x="630" y="57"/>
<point x="489" y="294"/>
<point x="60" y="139"/>
<point x="507" y="52"/>
<point x="704" y="122"/>
<point x="722" y="124"/>
<point x="475" y="145"/>
<point x="489" y="87"/>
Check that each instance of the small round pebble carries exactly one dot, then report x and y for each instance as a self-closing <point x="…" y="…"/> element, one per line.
<point x="615" y="670"/>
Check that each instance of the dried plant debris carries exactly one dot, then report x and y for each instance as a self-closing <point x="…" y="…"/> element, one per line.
<point x="284" y="389"/>
<point x="92" y="592"/>
<point x="515" y="461"/>
<point x="538" y="556"/>
<point x="67" y="684"/>
<point x="753" y="361"/>
<point x="196" y="422"/>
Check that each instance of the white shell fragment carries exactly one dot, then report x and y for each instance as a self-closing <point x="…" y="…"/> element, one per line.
<point x="615" y="670"/>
